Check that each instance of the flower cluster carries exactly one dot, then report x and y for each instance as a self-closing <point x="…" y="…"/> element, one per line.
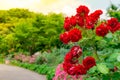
<point x="81" y="19"/>
<point x="72" y="25"/>
<point x="61" y="74"/>
<point x="24" y="58"/>
<point x="73" y="35"/>
<point x="71" y="64"/>
<point x="111" y="25"/>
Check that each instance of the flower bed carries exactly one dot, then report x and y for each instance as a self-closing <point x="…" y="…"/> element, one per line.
<point x="92" y="66"/>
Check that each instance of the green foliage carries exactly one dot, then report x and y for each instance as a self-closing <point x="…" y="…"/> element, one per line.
<point x="113" y="11"/>
<point x="52" y="58"/>
<point x="113" y="57"/>
<point x="49" y="26"/>
<point x="92" y="70"/>
<point x="105" y="77"/>
<point x="25" y="35"/>
<point x="92" y="78"/>
<point x="27" y="31"/>
<point x="20" y="13"/>
<point x="40" y="60"/>
<point x="111" y="76"/>
<point x="4" y="16"/>
<point x="103" y="68"/>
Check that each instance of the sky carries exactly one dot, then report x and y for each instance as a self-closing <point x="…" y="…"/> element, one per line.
<point x="67" y="7"/>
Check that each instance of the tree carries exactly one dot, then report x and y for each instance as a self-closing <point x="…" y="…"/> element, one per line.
<point x="4" y="16"/>
<point x="20" y="13"/>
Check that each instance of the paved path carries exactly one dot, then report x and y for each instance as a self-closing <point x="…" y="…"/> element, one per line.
<point x="8" y="72"/>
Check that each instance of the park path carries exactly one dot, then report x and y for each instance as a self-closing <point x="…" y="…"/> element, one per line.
<point x="8" y="72"/>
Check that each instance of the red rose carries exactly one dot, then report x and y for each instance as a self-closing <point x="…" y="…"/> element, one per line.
<point x="89" y="62"/>
<point x="89" y="23"/>
<point x="75" y="35"/>
<point x="101" y="30"/>
<point x="80" y="21"/>
<point x="81" y="70"/>
<point x="112" y="24"/>
<point x="72" y="70"/>
<point x="67" y="66"/>
<point x="77" y="70"/>
<point x="95" y="15"/>
<point x="117" y="27"/>
<point x="69" y="58"/>
<point x="67" y="24"/>
<point x="83" y="10"/>
<point x="92" y="19"/>
<point x="73" y="20"/>
<point x="65" y="38"/>
<point x="76" y="51"/>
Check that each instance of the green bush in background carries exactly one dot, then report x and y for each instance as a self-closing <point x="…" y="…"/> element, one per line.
<point x="25" y="31"/>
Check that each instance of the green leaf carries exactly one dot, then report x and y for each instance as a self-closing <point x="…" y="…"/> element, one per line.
<point x="92" y="78"/>
<point x="109" y="36"/>
<point x="105" y="77"/>
<point x="118" y="58"/>
<point x="110" y="65"/>
<point x="92" y="70"/>
<point x="98" y="38"/>
<point x="116" y="76"/>
<point x="113" y="57"/>
<point x="103" y="68"/>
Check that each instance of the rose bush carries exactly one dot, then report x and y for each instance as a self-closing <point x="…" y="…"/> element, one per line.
<point x="76" y="63"/>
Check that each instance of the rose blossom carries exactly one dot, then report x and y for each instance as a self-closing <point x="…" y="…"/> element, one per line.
<point x="76" y="51"/>
<point x="112" y="24"/>
<point x="89" y="62"/>
<point x="67" y="66"/>
<point x="67" y="24"/>
<point x="75" y="35"/>
<point x="83" y="10"/>
<point x="73" y="20"/>
<point x="95" y="15"/>
<point x="101" y="30"/>
<point x="77" y="70"/>
<point x="65" y="38"/>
